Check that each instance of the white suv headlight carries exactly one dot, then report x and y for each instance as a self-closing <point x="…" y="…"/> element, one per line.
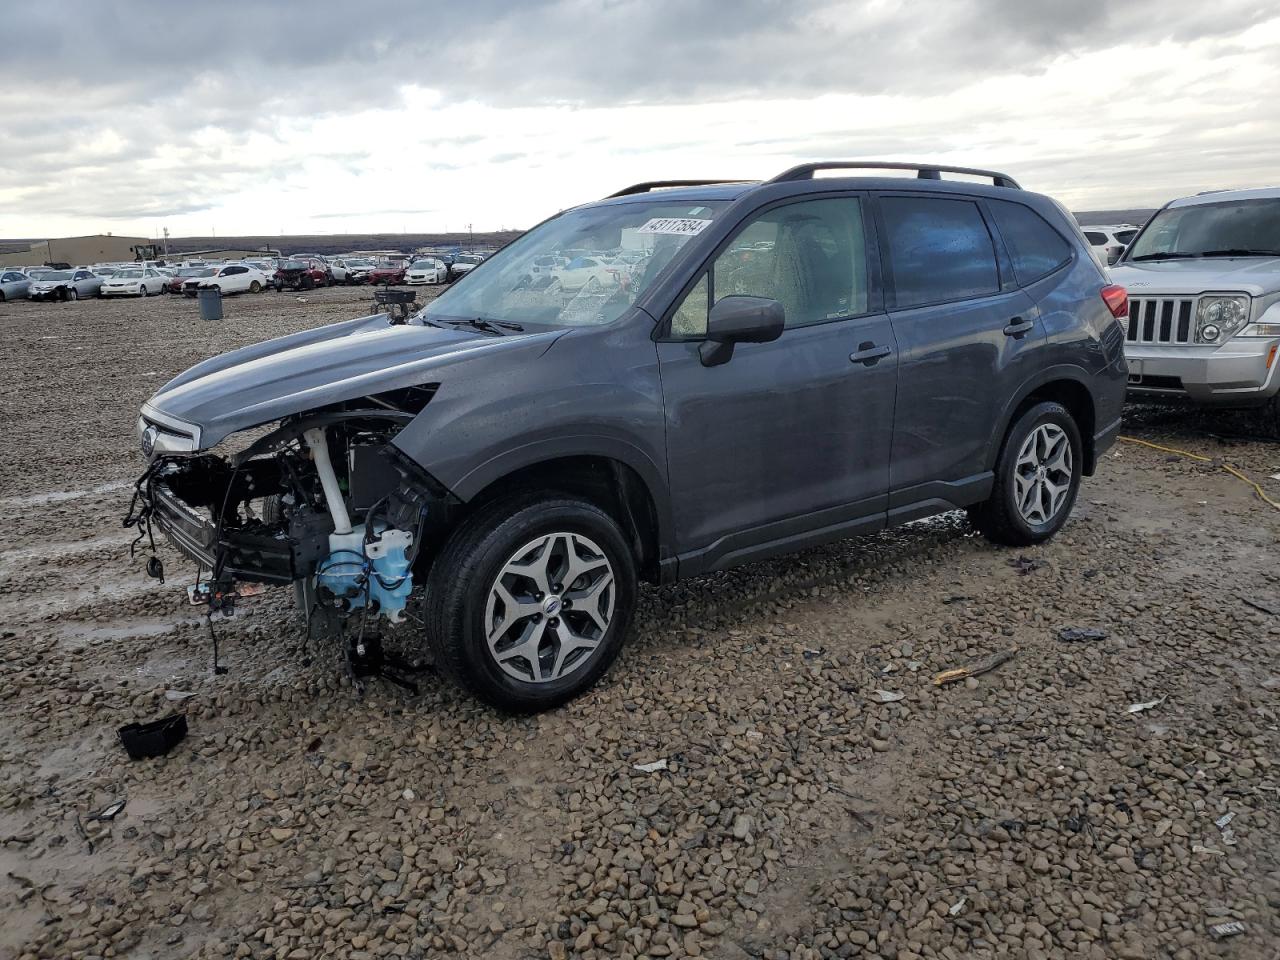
<point x="1218" y="318"/>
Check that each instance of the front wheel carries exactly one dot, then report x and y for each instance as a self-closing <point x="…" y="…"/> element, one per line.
<point x="1037" y="478"/>
<point x="73" y="293"/>
<point x="530" y="601"/>
<point x="255" y="287"/>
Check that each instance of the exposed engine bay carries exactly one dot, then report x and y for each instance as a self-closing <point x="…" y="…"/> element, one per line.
<point x="322" y="502"/>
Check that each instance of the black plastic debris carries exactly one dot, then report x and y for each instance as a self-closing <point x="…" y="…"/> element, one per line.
<point x="1026" y="565"/>
<point x="108" y="813"/>
<point x="154" y="739"/>
<point x="1081" y="634"/>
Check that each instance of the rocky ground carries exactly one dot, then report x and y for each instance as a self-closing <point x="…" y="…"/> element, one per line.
<point x="820" y="796"/>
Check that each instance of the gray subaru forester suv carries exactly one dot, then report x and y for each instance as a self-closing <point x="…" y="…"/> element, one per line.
<point x="707" y="373"/>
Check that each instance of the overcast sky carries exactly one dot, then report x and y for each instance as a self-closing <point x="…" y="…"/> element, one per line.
<point x="332" y="117"/>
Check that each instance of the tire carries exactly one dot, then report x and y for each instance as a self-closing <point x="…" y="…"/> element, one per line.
<point x="463" y="583"/>
<point x="73" y="293"/>
<point x="1001" y="518"/>
<point x="145" y="292"/>
<point x="255" y="287"/>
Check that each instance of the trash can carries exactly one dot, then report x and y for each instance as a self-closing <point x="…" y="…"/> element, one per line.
<point x="210" y="304"/>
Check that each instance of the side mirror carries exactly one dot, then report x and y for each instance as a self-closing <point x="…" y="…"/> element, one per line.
<point x="740" y="320"/>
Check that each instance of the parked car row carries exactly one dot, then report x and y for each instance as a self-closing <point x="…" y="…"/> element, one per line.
<point x="297" y="272"/>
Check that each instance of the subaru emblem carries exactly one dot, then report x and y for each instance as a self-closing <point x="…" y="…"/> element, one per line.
<point x="149" y="440"/>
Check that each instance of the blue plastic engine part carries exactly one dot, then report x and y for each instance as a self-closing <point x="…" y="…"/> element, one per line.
<point x="379" y="571"/>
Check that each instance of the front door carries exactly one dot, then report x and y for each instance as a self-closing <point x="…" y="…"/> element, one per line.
<point x="787" y="440"/>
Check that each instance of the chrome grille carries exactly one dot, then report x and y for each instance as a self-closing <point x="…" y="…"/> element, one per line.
<point x="1161" y="320"/>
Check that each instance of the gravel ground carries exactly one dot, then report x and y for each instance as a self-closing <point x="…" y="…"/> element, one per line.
<point x="820" y="797"/>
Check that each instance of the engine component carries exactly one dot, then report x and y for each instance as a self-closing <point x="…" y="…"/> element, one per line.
<point x="368" y="568"/>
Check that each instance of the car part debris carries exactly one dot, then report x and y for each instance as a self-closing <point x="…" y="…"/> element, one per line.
<point x="177" y="696"/>
<point x="888" y="696"/>
<point x="1223" y="820"/>
<point x="1220" y="931"/>
<point x="1201" y="848"/>
<point x="1081" y="634"/>
<point x="109" y="812"/>
<point x="153" y="739"/>
<point x="1148" y="705"/>
<point x="1026" y="565"/>
<point x="956" y="908"/>
<point x="975" y="669"/>
<point x="651" y="767"/>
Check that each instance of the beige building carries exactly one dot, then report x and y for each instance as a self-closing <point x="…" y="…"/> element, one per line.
<point x="79" y="251"/>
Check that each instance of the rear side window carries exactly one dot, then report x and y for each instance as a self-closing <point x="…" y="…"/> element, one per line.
<point x="1124" y="236"/>
<point x="939" y="249"/>
<point x="1095" y="238"/>
<point x="1035" y="247"/>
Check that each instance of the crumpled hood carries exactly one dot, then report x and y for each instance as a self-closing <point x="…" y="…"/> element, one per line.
<point x="1253" y="275"/>
<point x="314" y="368"/>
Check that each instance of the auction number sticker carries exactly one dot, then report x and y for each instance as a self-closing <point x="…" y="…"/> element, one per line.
<point x="678" y="226"/>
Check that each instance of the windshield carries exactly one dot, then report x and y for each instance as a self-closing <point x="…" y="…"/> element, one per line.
<point x="1232" y="226"/>
<point x="422" y="265"/>
<point x="597" y="286"/>
<point x="128" y="274"/>
<point x="293" y="265"/>
<point x="57" y="275"/>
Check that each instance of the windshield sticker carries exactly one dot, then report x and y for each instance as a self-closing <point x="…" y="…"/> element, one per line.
<point x="679" y="226"/>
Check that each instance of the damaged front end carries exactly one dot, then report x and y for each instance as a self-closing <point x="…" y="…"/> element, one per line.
<point x="321" y="501"/>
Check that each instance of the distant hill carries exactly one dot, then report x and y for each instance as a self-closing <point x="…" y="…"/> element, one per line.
<point x="408" y="242"/>
<point x="1103" y="217"/>
<point x="343" y="243"/>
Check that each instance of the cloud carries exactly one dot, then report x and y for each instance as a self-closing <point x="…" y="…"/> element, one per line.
<point x="266" y="114"/>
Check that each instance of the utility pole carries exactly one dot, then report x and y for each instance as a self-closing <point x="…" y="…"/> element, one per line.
<point x="166" y="243"/>
<point x="471" y="237"/>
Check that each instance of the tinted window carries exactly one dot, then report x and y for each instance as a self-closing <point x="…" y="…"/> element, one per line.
<point x="1035" y="247"/>
<point x="1095" y="238"/>
<point x="810" y="257"/>
<point x="1124" y="236"/>
<point x="940" y="250"/>
<point x="690" y="318"/>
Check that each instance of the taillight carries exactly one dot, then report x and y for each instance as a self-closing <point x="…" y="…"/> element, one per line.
<point x="1116" y="298"/>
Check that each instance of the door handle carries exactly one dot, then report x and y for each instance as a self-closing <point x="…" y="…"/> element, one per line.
<point x="868" y="354"/>
<point x="1017" y="327"/>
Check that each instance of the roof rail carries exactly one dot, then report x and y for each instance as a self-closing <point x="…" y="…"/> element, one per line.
<point x="651" y="185"/>
<point x="924" y="171"/>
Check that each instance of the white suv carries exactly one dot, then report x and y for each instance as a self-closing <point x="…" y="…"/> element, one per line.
<point x="1109" y="240"/>
<point x="1204" y="300"/>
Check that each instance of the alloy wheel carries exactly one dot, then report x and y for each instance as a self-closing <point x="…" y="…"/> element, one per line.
<point x="549" y="607"/>
<point x="1042" y="474"/>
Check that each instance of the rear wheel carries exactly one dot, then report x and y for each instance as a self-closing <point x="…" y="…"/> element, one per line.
<point x="255" y="287"/>
<point x="530" y="600"/>
<point x="1037" y="478"/>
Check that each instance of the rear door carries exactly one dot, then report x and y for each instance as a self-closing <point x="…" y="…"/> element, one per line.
<point x="789" y="438"/>
<point x="966" y="339"/>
